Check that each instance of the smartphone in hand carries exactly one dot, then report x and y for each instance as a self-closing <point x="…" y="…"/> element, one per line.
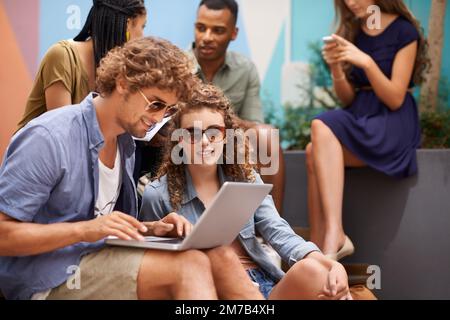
<point x="328" y="40"/>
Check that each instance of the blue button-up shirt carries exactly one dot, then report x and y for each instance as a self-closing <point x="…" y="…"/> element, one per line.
<point x="50" y="175"/>
<point x="266" y="220"/>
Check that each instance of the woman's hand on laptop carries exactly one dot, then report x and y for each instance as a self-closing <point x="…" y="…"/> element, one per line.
<point x="173" y="225"/>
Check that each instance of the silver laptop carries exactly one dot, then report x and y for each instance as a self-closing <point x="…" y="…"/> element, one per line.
<point x="219" y="224"/>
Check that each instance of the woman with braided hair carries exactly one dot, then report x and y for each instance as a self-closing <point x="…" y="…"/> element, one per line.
<point x="67" y="72"/>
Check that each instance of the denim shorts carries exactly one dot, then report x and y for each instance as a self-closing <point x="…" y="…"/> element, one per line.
<point x="263" y="280"/>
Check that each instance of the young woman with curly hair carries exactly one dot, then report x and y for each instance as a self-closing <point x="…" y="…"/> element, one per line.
<point x="202" y="130"/>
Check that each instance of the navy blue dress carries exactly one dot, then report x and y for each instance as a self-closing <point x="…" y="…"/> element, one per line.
<point x="385" y="140"/>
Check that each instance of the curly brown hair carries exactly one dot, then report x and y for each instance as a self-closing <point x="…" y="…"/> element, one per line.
<point x="144" y="63"/>
<point x="211" y="98"/>
<point x="348" y="27"/>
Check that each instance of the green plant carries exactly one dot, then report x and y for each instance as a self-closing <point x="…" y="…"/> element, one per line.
<point x="294" y="124"/>
<point x="435" y="125"/>
<point x="444" y="93"/>
<point x="296" y="131"/>
<point x="295" y="127"/>
<point x="435" y="129"/>
<point x="319" y="78"/>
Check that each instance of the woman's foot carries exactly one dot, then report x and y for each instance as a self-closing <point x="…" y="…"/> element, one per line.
<point x="345" y="250"/>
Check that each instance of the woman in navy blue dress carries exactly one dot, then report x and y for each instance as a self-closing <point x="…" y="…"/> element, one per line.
<point x="373" y="71"/>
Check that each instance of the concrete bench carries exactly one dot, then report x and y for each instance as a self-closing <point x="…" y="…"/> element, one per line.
<point x="402" y="226"/>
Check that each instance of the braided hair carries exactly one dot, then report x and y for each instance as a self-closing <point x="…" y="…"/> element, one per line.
<point x="106" y="24"/>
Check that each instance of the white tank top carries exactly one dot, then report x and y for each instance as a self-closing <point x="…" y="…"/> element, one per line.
<point x="110" y="181"/>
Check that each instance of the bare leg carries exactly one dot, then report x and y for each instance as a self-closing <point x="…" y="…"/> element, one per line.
<point x="330" y="159"/>
<point x="316" y="217"/>
<point x="307" y="280"/>
<point x="181" y="276"/>
<point x="230" y="278"/>
<point x="304" y="281"/>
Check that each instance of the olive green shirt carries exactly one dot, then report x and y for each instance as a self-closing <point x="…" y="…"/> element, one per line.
<point x="239" y="80"/>
<point x="60" y="63"/>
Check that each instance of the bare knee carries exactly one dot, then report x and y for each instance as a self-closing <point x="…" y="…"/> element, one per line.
<point x="311" y="269"/>
<point x="305" y="280"/>
<point x="162" y="273"/>
<point x="190" y="265"/>
<point x="195" y="259"/>
<point x="320" y="132"/>
<point x="224" y="254"/>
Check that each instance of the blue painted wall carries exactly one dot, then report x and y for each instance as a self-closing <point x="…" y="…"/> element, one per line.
<point x="311" y="20"/>
<point x="174" y="20"/>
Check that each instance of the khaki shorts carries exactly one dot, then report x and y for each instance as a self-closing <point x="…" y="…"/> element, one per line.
<point x="109" y="274"/>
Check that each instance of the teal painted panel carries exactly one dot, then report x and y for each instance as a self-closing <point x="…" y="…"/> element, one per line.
<point x="446" y="52"/>
<point x="271" y="85"/>
<point x="421" y="9"/>
<point x="311" y="20"/>
<point x="172" y="20"/>
<point x="53" y="21"/>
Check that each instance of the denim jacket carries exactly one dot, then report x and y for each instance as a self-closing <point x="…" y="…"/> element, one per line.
<point x="266" y="221"/>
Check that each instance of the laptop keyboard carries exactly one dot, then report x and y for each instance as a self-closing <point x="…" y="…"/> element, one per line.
<point x="164" y="240"/>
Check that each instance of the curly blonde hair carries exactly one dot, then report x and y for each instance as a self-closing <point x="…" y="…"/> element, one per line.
<point x="144" y="63"/>
<point x="211" y="98"/>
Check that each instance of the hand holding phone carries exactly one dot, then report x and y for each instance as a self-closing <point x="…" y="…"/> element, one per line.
<point x="329" y="50"/>
<point x="329" y="40"/>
